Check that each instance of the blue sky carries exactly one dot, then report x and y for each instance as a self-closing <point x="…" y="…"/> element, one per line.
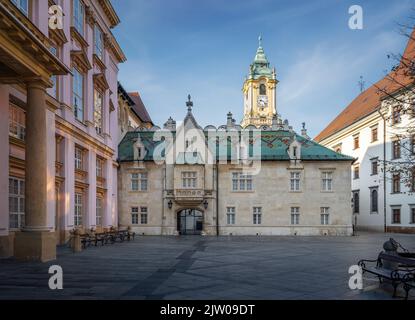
<point x="204" y="47"/>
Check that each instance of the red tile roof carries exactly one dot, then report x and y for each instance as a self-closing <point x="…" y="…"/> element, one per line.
<point x="369" y="101"/>
<point x="139" y="107"/>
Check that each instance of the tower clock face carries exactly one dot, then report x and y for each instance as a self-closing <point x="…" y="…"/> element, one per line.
<point x="262" y="101"/>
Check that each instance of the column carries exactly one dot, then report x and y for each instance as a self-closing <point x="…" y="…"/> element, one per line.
<point x="91" y="209"/>
<point x="6" y="240"/>
<point x="37" y="241"/>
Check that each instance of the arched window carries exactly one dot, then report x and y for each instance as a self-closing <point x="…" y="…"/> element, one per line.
<point x="262" y="89"/>
<point x="356" y="204"/>
<point x="374" y="200"/>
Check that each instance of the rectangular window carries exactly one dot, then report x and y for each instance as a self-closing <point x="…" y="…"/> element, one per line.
<point x="374" y="165"/>
<point x="23" y="5"/>
<point x="78" y="94"/>
<point x="241" y="182"/>
<point x="99" y="212"/>
<point x="98" y="42"/>
<point x="327" y="181"/>
<point x="356" y="142"/>
<point x="189" y="180"/>
<point x="98" y="98"/>
<point x="356" y="172"/>
<point x="295" y="215"/>
<point x="134" y="215"/>
<point x="79" y="159"/>
<point x="16" y="203"/>
<point x="230" y="215"/>
<point x="295" y="181"/>
<point x="396" y="215"/>
<point x="17" y="122"/>
<point x="257" y="215"/>
<point x="78" y="210"/>
<point x="78" y="16"/>
<point x="396" y="115"/>
<point x="396" y="149"/>
<point x="144" y="215"/>
<point x="413" y="144"/>
<point x="139" y="181"/>
<point x="325" y="216"/>
<point x="396" y="183"/>
<point x="374" y="134"/>
<point x="100" y="167"/>
<point x="413" y="214"/>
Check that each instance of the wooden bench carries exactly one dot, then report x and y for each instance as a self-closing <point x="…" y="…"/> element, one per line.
<point x="394" y="268"/>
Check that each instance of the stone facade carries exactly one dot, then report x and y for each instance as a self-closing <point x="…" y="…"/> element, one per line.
<point x="194" y="189"/>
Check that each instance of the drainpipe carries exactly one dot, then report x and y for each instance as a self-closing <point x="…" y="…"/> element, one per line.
<point x="384" y="171"/>
<point x="217" y="200"/>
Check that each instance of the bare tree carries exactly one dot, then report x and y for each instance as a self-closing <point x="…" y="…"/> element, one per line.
<point x="397" y="95"/>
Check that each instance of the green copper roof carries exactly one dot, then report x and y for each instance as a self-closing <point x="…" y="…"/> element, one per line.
<point x="261" y="66"/>
<point x="274" y="146"/>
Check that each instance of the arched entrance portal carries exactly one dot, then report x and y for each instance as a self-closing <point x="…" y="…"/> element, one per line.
<point x="190" y="222"/>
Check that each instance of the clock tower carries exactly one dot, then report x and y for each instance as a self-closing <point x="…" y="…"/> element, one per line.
<point x="259" y="92"/>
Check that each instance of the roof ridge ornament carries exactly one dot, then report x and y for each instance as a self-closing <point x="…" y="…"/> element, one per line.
<point x="189" y="103"/>
<point x="260" y="41"/>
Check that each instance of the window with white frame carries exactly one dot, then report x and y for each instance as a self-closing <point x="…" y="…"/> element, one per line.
<point x="98" y="42"/>
<point x="230" y="215"/>
<point x="78" y="210"/>
<point x="78" y="94"/>
<point x="98" y="103"/>
<point x="325" y="215"/>
<point x="189" y="180"/>
<point x="79" y="158"/>
<point x="295" y="215"/>
<point x="144" y="215"/>
<point x="16" y="203"/>
<point x="134" y="215"/>
<point x="241" y="182"/>
<point x="327" y="181"/>
<point x="139" y="181"/>
<point x="79" y="16"/>
<point x="23" y="5"/>
<point x="99" y="212"/>
<point x="17" y="122"/>
<point x="257" y="216"/>
<point x="412" y="210"/>
<point x="295" y="181"/>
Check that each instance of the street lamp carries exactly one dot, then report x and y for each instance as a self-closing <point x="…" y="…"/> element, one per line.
<point x="170" y="204"/>
<point x="205" y="204"/>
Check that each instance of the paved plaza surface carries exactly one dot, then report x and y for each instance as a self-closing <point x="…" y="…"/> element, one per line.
<point x="196" y="267"/>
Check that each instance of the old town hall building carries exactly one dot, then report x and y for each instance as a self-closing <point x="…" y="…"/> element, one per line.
<point x="257" y="178"/>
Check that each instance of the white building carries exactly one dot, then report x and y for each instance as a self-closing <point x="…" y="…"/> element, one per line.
<point x="370" y="130"/>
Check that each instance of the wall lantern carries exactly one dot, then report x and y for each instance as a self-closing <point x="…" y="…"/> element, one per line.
<point x="170" y="204"/>
<point x="205" y="204"/>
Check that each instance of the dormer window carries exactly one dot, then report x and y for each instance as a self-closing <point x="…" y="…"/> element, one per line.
<point x="295" y="150"/>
